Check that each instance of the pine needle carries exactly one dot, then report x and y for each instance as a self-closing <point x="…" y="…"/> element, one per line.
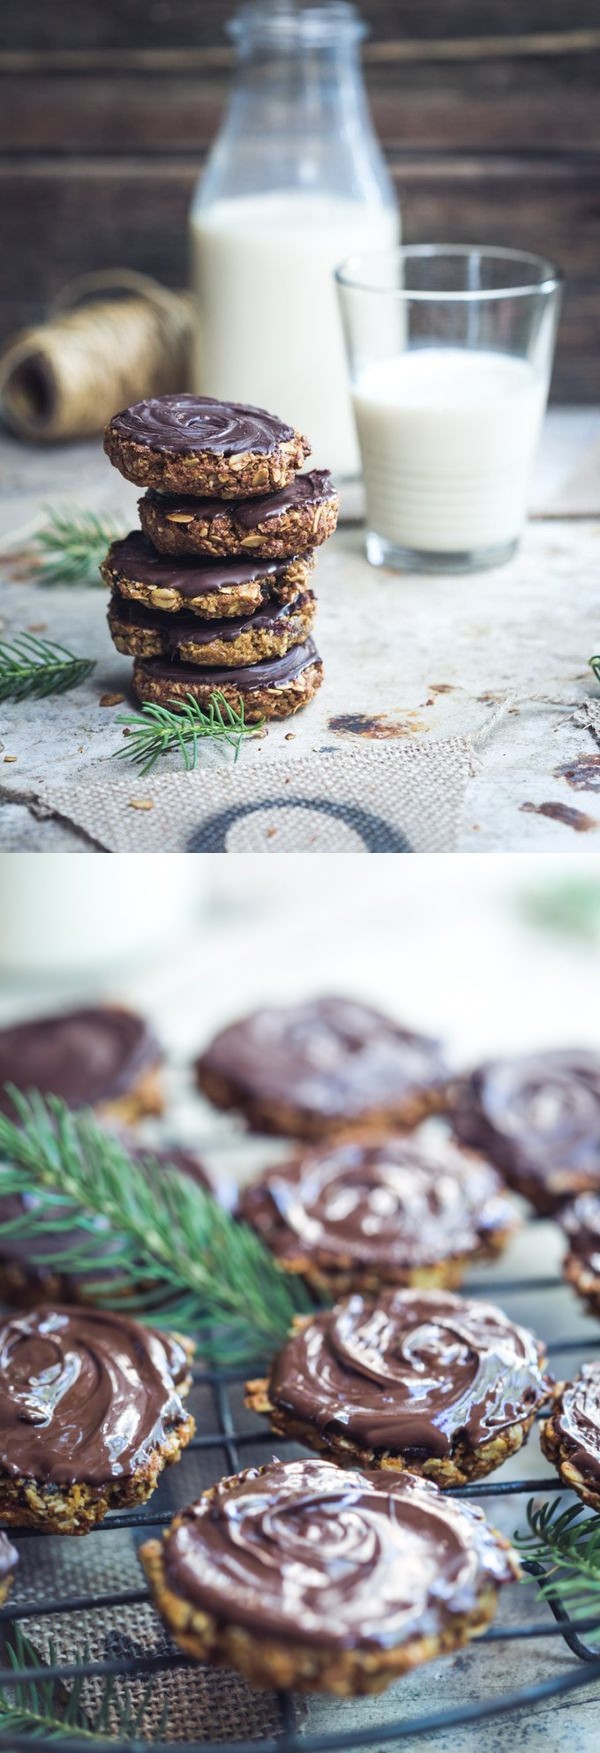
<point x="178" y="1258"/>
<point x="31" y="668"/>
<point x="46" y="1710"/>
<point x="595" y="666"/>
<point x="566" y="1544"/>
<point x="158" y="730"/>
<point x="71" y="546"/>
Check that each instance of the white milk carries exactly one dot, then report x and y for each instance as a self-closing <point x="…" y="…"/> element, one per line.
<point x="448" y="437"/>
<point x="270" y="330"/>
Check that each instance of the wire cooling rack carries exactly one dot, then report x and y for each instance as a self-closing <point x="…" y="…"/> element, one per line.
<point x="51" y="1587"/>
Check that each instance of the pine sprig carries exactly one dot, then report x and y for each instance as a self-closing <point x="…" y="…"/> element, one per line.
<point x="595" y="666"/>
<point x="566" y="1544"/>
<point x="70" y="547"/>
<point x="31" y="668"/>
<point x="44" y="1709"/>
<point x="158" y="730"/>
<point x="176" y="1255"/>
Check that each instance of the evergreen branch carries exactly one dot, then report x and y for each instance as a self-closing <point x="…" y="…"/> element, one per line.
<point x="566" y="1544"/>
<point x="44" y="1708"/>
<point x="157" y="730"/>
<point x="595" y="666"/>
<point x="71" y="546"/>
<point x="181" y="1259"/>
<point x="31" y="668"/>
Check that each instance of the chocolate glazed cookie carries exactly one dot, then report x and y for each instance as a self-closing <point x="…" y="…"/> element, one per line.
<point x="90" y="1414"/>
<point x="267" y="632"/>
<point x="581" y="1224"/>
<point x="276" y="688"/>
<point x="8" y="1563"/>
<point x="194" y="444"/>
<point x="302" y="1575"/>
<point x="571" y="1435"/>
<point x="330" y="1067"/>
<point x="400" y="1211"/>
<point x="107" y="1059"/>
<point x="210" y="589"/>
<point x="418" y="1380"/>
<point x="292" y="521"/>
<point x="537" y="1118"/>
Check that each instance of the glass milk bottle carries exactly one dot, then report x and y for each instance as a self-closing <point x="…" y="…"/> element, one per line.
<point x="295" y="182"/>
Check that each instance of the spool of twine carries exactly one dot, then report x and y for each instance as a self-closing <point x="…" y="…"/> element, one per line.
<point x="96" y="354"/>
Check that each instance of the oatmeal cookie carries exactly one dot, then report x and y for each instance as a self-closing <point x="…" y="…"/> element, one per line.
<point x="570" y="1437"/>
<point x="581" y="1266"/>
<point x="105" y="1058"/>
<point x="361" y="1215"/>
<point x="207" y="588"/>
<point x="194" y="444"/>
<point x="537" y="1117"/>
<point x="303" y="1575"/>
<point x="329" y="1067"/>
<point x="274" y="689"/>
<point x="90" y="1414"/>
<point x="269" y="631"/>
<point x="292" y="521"/>
<point x="417" y="1380"/>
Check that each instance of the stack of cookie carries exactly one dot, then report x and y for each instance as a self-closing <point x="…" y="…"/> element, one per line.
<point x="213" y="592"/>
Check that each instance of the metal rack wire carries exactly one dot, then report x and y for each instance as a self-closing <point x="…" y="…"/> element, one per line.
<point x="228" y="1439"/>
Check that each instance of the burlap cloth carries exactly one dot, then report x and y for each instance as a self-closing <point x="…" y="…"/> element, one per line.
<point x="393" y="799"/>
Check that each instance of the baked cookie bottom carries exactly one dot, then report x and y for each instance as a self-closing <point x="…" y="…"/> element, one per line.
<point x="560" y="1453"/>
<point x="253" y="645"/>
<point x="292" y="532"/>
<point x="76" y="1509"/>
<point x="455" y="1469"/>
<point x="288" y="1122"/>
<point x="5" y="1587"/>
<point x="258" y="703"/>
<point x="340" y="1277"/>
<point x="204" y="472"/>
<point x="585" y="1282"/>
<point x="146" y="1097"/>
<point x="279" y="1664"/>
<point x="236" y="599"/>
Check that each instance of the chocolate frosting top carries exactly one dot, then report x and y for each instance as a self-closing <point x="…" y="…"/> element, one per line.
<point x="188" y="424"/>
<point x="412" y="1372"/>
<point x="178" y="630"/>
<point x="84" y="1056"/>
<point x="135" y="558"/>
<point x="581" y="1223"/>
<point x="576" y="1419"/>
<point x="330" y="1057"/>
<point x="313" y="488"/>
<point x="271" y="672"/>
<point x="29" y="1252"/>
<point x="9" y="1558"/>
<point x="395" y="1204"/>
<point x="536" y="1116"/>
<point x="85" y="1395"/>
<point x="312" y="1552"/>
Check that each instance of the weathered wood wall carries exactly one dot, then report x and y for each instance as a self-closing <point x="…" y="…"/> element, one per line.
<point x="488" y="110"/>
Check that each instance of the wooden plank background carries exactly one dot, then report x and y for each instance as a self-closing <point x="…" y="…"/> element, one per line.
<point x="488" y="111"/>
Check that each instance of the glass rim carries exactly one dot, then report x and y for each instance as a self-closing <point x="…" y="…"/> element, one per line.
<point x="550" y="277"/>
<point x="316" y="23"/>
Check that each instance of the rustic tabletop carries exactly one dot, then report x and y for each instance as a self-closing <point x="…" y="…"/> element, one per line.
<point x="405" y="657"/>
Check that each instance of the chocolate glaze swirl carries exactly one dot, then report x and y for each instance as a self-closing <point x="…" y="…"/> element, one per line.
<point x="134" y="558"/>
<point x="576" y="1419"/>
<point x="538" y="1118"/>
<point x="392" y="1205"/>
<point x="178" y="630"/>
<point x="581" y="1223"/>
<point x="413" y="1372"/>
<point x="84" y="1056"/>
<point x="186" y="423"/>
<point x="329" y="1057"/>
<point x="313" y="488"/>
<point x="85" y="1396"/>
<point x="311" y="1552"/>
<point x="272" y="672"/>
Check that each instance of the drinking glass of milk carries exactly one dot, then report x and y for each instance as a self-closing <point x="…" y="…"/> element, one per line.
<point x="296" y="181"/>
<point x="450" y="352"/>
